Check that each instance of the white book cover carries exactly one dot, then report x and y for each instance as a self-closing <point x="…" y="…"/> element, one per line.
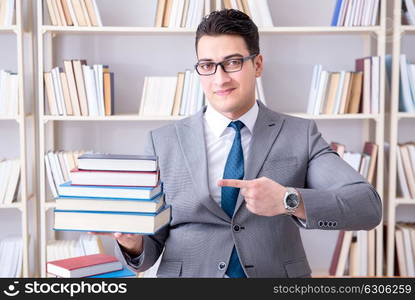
<point x="349" y="13"/>
<point x="190" y="13"/>
<point x="49" y="176"/>
<point x="359" y="10"/>
<point x="97" y="14"/>
<point x="265" y="13"/>
<point x="72" y="12"/>
<point x="7" y="167"/>
<point x="57" y="87"/>
<point x="9" y="16"/>
<point x="3" y="85"/>
<point x="99" y="82"/>
<point x="403" y="188"/>
<point x="199" y="12"/>
<point x="321" y="92"/>
<point x="411" y="151"/>
<point x="256" y="17"/>
<point x="12" y="184"/>
<point x="339" y="93"/>
<point x="208" y="7"/>
<point x="143" y="96"/>
<point x="55" y="168"/>
<point x="313" y="88"/>
<point x="409" y="258"/>
<point x="353" y="159"/>
<point x="173" y="13"/>
<point x="411" y="11"/>
<point x="405" y="97"/>
<point x="189" y="94"/>
<point x="168" y="100"/>
<point x="375" y="13"/>
<point x="411" y="78"/>
<point x="261" y="93"/>
<point x="343" y="10"/>
<point x="218" y="4"/>
<point x="186" y="86"/>
<point x="368" y="12"/>
<point x="234" y="4"/>
<point x="180" y="13"/>
<point x="90" y="88"/>
<point x="375" y="88"/>
<point x="362" y="245"/>
<point x="13" y="106"/>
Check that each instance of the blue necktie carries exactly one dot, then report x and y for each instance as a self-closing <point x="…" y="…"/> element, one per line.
<point x="234" y="169"/>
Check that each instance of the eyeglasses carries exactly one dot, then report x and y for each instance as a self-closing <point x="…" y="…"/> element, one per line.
<point x="206" y="68"/>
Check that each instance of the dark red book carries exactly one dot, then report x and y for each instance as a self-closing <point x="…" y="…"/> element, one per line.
<point x="83" y="266"/>
<point x="336" y="254"/>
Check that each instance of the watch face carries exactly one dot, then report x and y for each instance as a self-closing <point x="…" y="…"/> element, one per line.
<point x="292" y="201"/>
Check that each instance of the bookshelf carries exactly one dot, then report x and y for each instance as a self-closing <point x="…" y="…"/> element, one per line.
<point x="371" y="125"/>
<point x="22" y="133"/>
<point x="395" y="130"/>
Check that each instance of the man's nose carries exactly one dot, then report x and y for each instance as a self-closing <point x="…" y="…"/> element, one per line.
<point x="221" y="76"/>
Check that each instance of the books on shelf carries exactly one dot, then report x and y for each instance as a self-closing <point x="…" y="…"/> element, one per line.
<point x="355" y="251"/>
<point x="80" y="90"/>
<point x="73" y="13"/>
<point x="346" y="92"/>
<point x="9" y="94"/>
<point x="406" y="170"/>
<point x="408" y="11"/>
<point x="405" y="249"/>
<point x="11" y="256"/>
<point x="83" y="266"/>
<point x="9" y="180"/>
<point x="7" y="12"/>
<point x="189" y="13"/>
<point x="355" y="13"/>
<point x="406" y="85"/>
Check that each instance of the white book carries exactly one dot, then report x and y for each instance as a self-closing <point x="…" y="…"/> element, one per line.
<point x="265" y="13"/>
<point x="403" y="188"/>
<point x="189" y="94"/>
<point x="357" y="13"/>
<point x="375" y="86"/>
<point x="168" y="99"/>
<point x="367" y="12"/>
<point x="218" y="4"/>
<point x="72" y="12"/>
<point x="55" y="168"/>
<point x="180" y="13"/>
<point x="321" y="92"/>
<point x="339" y="93"/>
<point x="97" y="14"/>
<point x="411" y="79"/>
<point x="173" y="13"/>
<point x="252" y="4"/>
<point x="186" y="86"/>
<point x="411" y="151"/>
<point x="411" y="11"/>
<point x="13" y="181"/>
<point x="52" y="184"/>
<point x="190" y="13"/>
<point x="349" y="13"/>
<point x="234" y="4"/>
<point x="208" y="7"/>
<point x="405" y="96"/>
<point x="99" y="83"/>
<point x="9" y="13"/>
<point x="12" y="100"/>
<point x="362" y="246"/>
<point x="353" y="159"/>
<point x="343" y="10"/>
<point x="344" y="253"/>
<point x="143" y="96"/>
<point x="199" y="102"/>
<point x="313" y="88"/>
<point x="261" y="93"/>
<point x="149" y="97"/>
<point x="90" y="88"/>
<point x="57" y="87"/>
<point x="375" y="13"/>
<point x="199" y="12"/>
<point x="7" y="167"/>
<point x="409" y="258"/>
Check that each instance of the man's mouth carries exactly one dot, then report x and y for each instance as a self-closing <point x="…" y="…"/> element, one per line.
<point x="224" y="92"/>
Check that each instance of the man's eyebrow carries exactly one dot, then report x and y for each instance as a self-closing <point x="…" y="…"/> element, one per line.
<point x="226" y="57"/>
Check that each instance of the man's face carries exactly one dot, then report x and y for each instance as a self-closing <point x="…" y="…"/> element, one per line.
<point x="231" y="94"/>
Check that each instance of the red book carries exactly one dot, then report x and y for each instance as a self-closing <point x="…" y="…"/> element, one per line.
<point x="114" y="178"/>
<point x="83" y="266"/>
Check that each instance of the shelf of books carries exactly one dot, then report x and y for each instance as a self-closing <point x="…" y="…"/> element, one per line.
<point x="401" y="181"/>
<point x="86" y="89"/>
<point x="14" y="253"/>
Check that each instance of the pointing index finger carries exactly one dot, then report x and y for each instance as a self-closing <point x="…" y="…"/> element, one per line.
<point x="236" y="183"/>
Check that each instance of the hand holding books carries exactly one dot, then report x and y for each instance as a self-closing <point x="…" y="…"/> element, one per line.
<point x="130" y="242"/>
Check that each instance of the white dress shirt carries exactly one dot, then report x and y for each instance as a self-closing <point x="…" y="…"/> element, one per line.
<point x="219" y="139"/>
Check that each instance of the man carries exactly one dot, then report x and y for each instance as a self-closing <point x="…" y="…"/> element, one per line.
<point x="242" y="179"/>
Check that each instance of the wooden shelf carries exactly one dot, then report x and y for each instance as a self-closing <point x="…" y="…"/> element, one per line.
<point x="8" y="29"/>
<point x="17" y="205"/>
<point x="337" y="117"/>
<point x="162" y="30"/>
<point x="407" y="28"/>
<point x="404" y="115"/>
<point x="402" y="201"/>
<point x="111" y="118"/>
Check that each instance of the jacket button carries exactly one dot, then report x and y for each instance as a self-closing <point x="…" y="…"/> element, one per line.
<point x="222" y="266"/>
<point x="236" y="228"/>
<point x="320" y="223"/>
<point x="330" y="224"/>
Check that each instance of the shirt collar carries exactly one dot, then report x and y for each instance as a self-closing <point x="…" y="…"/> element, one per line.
<point x="218" y="122"/>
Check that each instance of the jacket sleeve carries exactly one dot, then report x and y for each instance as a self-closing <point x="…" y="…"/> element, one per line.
<point x="336" y="197"/>
<point x="153" y="245"/>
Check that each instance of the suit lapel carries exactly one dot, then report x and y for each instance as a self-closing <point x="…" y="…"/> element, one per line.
<point x="192" y="141"/>
<point x="267" y="127"/>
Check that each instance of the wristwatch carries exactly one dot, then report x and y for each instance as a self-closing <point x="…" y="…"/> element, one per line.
<point x="291" y="200"/>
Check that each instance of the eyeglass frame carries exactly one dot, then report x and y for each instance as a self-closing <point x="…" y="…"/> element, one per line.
<point x="242" y="59"/>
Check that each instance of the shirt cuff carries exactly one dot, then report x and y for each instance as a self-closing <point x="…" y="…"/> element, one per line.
<point x="132" y="261"/>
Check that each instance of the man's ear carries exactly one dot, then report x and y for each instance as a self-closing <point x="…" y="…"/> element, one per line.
<point x="259" y="65"/>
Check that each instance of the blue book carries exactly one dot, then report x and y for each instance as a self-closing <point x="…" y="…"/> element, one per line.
<point x="109" y="221"/>
<point x="104" y="191"/>
<point x="110" y="204"/>
<point x="124" y="273"/>
<point x="336" y="14"/>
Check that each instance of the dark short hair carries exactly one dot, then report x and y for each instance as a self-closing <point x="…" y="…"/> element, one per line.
<point x="232" y="22"/>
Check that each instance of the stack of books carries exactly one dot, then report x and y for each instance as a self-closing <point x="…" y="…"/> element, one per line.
<point x="189" y="13"/>
<point x="80" y="90"/>
<point x="74" y="13"/>
<point x="406" y="170"/>
<point x="355" y="13"/>
<point x="7" y="12"/>
<point x="113" y="193"/>
<point x="346" y="92"/>
<point x="85" y="266"/>
<point x="9" y="180"/>
<point x="9" y="93"/>
<point x="405" y="249"/>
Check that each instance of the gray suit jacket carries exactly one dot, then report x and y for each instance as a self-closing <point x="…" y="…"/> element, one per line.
<point x="288" y="150"/>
